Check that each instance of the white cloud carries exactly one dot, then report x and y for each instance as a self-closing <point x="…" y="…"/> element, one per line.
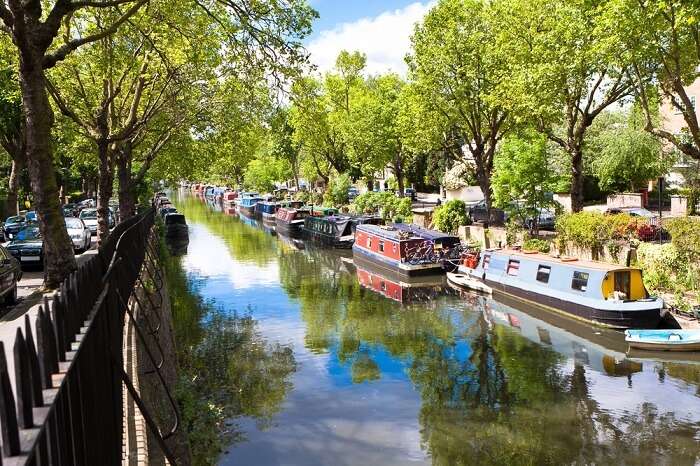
<point x="385" y="39"/>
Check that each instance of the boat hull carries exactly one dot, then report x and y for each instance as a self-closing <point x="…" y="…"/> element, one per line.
<point x="327" y="240"/>
<point x="269" y="219"/>
<point x="248" y="211"/>
<point x="647" y="318"/>
<point x="664" y="346"/>
<point x="397" y="267"/>
<point x="292" y="230"/>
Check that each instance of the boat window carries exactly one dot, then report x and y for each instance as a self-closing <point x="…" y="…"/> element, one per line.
<point x="487" y="260"/>
<point x="394" y="247"/>
<point x="543" y="273"/>
<point x="383" y="286"/>
<point x="369" y="241"/>
<point x="580" y="281"/>
<point x="513" y="267"/>
<point x="381" y="246"/>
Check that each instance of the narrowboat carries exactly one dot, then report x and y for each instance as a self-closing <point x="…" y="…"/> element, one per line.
<point x="605" y="294"/>
<point x="230" y="197"/>
<point x="209" y="192"/>
<point x="396" y="287"/>
<point x="400" y="250"/>
<point x="175" y="227"/>
<point x="290" y="222"/>
<point x="247" y="203"/>
<point x="664" y="340"/>
<point x="337" y="231"/>
<point x="266" y="210"/>
<point x="269" y="210"/>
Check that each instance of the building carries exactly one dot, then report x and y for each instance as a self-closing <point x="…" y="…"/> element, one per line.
<point x="673" y="122"/>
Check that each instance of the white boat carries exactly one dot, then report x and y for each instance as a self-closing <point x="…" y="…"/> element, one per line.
<point x="664" y="340"/>
<point x="465" y="281"/>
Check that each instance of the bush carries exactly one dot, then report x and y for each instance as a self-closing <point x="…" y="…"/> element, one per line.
<point x="685" y="235"/>
<point x="535" y="244"/>
<point x="337" y="193"/>
<point x="594" y="230"/>
<point x="450" y="216"/>
<point x="390" y="206"/>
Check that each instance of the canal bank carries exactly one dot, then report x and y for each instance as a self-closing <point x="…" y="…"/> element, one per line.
<point x="420" y="375"/>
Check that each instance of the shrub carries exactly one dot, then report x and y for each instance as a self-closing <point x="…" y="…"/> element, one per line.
<point x="337" y="193"/>
<point x="594" y="230"/>
<point x="535" y="244"/>
<point x="387" y="203"/>
<point x="685" y="235"/>
<point x="450" y="216"/>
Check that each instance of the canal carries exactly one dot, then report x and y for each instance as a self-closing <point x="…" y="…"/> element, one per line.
<point x="314" y="360"/>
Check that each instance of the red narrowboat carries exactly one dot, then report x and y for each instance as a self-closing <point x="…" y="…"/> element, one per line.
<point x="401" y="250"/>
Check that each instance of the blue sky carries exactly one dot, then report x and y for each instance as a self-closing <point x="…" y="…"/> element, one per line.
<point x="380" y="29"/>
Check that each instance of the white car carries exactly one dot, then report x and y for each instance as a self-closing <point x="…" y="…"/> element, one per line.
<point x="79" y="233"/>
<point x="89" y="217"/>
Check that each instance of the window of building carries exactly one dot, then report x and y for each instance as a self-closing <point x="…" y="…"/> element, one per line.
<point x="580" y="281"/>
<point x="543" y="273"/>
<point x="513" y="268"/>
<point x="487" y="260"/>
<point x="381" y="246"/>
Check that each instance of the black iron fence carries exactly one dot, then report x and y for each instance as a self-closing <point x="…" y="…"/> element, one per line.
<point x="65" y="405"/>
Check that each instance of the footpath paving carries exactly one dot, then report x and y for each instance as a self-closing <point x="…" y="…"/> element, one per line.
<point x="30" y="295"/>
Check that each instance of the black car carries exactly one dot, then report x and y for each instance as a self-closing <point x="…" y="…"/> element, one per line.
<point x="70" y="210"/>
<point x="28" y="246"/>
<point x="13" y="225"/>
<point x="10" y="274"/>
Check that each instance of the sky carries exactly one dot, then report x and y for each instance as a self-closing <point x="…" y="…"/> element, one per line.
<point x="379" y="28"/>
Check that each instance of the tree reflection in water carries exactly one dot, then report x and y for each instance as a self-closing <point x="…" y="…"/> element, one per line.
<point x="227" y="369"/>
<point x="489" y="395"/>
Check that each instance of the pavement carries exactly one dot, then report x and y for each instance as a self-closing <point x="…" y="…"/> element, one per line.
<point x="30" y="293"/>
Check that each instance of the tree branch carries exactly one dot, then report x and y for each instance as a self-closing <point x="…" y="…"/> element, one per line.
<point x="62" y="52"/>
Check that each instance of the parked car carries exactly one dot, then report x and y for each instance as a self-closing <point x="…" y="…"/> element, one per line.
<point x="79" y="233"/>
<point x="89" y="218"/>
<point x="353" y="192"/>
<point x="13" y="225"/>
<point x="70" y="210"/>
<point x="409" y="193"/>
<point x="547" y="220"/>
<point x="31" y="216"/>
<point x="28" y="246"/>
<point x="10" y="274"/>
<point x="479" y="213"/>
<point x="633" y="211"/>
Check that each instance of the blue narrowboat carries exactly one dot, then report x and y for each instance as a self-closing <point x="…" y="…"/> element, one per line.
<point x="247" y="203"/>
<point x="608" y="295"/>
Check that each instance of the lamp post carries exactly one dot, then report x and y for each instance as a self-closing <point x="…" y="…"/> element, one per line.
<point x="660" y="182"/>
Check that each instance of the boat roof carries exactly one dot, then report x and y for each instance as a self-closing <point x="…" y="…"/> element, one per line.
<point x="387" y="232"/>
<point x="570" y="261"/>
<point x="423" y="232"/>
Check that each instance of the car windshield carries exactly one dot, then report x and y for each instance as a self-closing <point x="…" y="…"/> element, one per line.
<point x="28" y="234"/>
<point x="89" y="214"/>
<point x="31" y="215"/>
<point x="16" y="219"/>
<point x="74" y="223"/>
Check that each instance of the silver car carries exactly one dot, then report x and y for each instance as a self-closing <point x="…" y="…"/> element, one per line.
<point x="79" y="233"/>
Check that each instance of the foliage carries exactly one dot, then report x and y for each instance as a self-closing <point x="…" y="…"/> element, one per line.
<point x="523" y="178"/>
<point x="450" y="216"/>
<point x="386" y="203"/>
<point x="685" y="235"/>
<point x="262" y="173"/>
<point x="337" y="193"/>
<point x="536" y="244"/>
<point x="623" y="155"/>
<point x="593" y="230"/>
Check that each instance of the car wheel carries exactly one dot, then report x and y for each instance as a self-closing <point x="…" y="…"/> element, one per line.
<point x="11" y="297"/>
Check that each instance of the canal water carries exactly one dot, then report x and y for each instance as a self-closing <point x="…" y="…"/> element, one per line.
<point x="333" y="363"/>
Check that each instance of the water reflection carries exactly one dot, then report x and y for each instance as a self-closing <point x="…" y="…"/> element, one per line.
<point x="385" y="378"/>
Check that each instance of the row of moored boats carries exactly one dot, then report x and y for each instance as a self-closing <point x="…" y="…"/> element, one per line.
<point x="605" y="294"/>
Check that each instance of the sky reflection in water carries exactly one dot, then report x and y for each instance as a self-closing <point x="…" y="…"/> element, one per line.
<point x="446" y="381"/>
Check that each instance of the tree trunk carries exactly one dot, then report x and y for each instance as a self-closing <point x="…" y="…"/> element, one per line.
<point x="398" y="171"/>
<point x="105" y="190"/>
<point x="59" y="258"/>
<point x="127" y="201"/>
<point x="576" y="178"/>
<point x="12" y="200"/>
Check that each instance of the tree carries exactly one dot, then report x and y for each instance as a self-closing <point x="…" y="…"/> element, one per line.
<point x="263" y="172"/>
<point x="12" y="138"/>
<point x="563" y="72"/>
<point x="626" y="156"/>
<point x="34" y="27"/>
<point x="457" y="73"/>
<point x="524" y="178"/>
<point x="661" y="43"/>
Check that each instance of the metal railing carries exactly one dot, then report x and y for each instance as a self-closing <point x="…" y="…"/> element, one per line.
<point x="66" y="406"/>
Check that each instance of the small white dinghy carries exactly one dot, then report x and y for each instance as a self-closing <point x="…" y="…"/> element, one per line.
<point x="464" y="281"/>
<point x="664" y="340"/>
